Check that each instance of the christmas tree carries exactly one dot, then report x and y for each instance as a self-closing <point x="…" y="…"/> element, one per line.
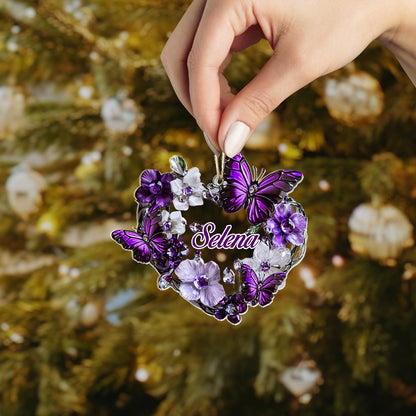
<point x="84" y="330"/>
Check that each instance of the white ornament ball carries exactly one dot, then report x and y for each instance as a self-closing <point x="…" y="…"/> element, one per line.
<point x="121" y="115"/>
<point x="91" y="313"/>
<point x="266" y="136"/>
<point x="12" y="109"/>
<point x="354" y="100"/>
<point x="24" y="191"/>
<point x="301" y="379"/>
<point x="380" y="232"/>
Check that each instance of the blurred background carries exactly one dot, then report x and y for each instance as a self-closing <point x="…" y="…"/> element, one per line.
<point x="85" y="107"/>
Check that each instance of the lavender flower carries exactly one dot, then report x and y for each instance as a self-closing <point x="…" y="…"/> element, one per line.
<point x="188" y="190"/>
<point x="268" y="261"/>
<point x="173" y="223"/>
<point x="200" y="281"/>
<point x="155" y="188"/>
<point x="286" y="226"/>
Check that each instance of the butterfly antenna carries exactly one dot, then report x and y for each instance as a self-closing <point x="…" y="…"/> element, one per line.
<point x="262" y="174"/>
<point x="254" y="173"/>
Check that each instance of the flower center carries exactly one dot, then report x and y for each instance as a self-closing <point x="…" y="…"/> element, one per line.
<point x="201" y="281"/>
<point x="265" y="266"/>
<point x="167" y="226"/>
<point x="187" y="191"/>
<point x="155" y="187"/>
<point x="287" y="226"/>
<point x="145" y="238"/>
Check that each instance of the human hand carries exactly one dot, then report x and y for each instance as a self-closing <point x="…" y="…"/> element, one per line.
<point x="309" y="39"/>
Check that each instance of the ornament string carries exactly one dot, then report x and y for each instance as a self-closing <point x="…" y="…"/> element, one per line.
<point x="219" y="166"/>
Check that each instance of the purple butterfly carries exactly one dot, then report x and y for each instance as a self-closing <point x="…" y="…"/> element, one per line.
<point x="256" y="194"/>
<point x="256" y="291"/>
<point x="149" y="239"/>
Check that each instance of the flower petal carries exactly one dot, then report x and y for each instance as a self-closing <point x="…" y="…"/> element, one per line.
<point x="212" y="271"/>
<point x="143" y="194"/>
<point x="176" y="216"/>
<point x="283" y="211"/>
<point x="164" y="199"/>
<point x="188" y="291"/>
<point x="299" y="221"/>
<point x="148" y="176"/>
<point x="261" y="252"/>
<point x="195" y="200"/>
<point x="279" y="240"/>
<point x="181" y="205"/>
<point x="192" y="178"/>
<point x="295" y="238"/>
<point x="177" y="186"/>
<point x="187" y="270"/>
<point x="212" y="294"/>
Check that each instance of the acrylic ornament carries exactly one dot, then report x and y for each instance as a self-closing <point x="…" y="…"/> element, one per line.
<point x="275" y="235"/>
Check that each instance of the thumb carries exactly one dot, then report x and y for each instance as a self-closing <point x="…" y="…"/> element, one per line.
<point x="280" y="77"/>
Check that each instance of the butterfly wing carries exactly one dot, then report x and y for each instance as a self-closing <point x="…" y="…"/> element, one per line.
<point x="271" y="190"/>
<point x="250" y="283"/>
<point x="238" y="177"/>
<point x="269" y="287"/>
<point x="154" y="231"/>
<point x="130" y="240"/>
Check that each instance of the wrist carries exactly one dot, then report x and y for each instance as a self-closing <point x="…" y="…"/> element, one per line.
<point x="400" y="36"/>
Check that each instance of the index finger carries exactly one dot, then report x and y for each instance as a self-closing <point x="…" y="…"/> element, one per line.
<point x="221" y="22"/>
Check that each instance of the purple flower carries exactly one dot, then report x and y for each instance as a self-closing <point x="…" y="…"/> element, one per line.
<point x="231" y="308"/>
<point x="155" y="188"/>
<point x="200" y="281"/>
<point x="172" y="256"/>
<point x="286" y="226"/>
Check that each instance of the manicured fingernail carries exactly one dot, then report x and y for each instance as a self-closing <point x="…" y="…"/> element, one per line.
<point x="212" y="146"/>
<point x="236" y="138"/>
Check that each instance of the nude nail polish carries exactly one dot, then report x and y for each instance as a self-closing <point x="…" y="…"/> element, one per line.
<point x="236" y="138"/>
<point x="211" y="145"/>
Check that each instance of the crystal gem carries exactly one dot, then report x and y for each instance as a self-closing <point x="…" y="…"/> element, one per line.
<point x="265" y="266"/>
<point x="234" y="319"/>
<point x="184" y="250"/>
<point x="228" y="276"/>
<point x="201" y="281"/>
<point x="195" y="227"/>
<point x="178" y="165"/>
<point x="237" y="264"/>
<point x="220" y="314"/>
<point x="188" y="191"/>
<point x="231" y="309"/>
<point x="164" y="281"/>
<point x="198" y="255"/>
<point x="167" y="226"/>
<point x="287" y="226"/>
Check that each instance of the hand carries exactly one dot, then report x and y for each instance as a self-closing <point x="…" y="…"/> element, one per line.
<point x="309" y="39"/>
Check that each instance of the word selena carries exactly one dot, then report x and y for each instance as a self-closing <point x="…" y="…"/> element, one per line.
<point x="224" y="240"/>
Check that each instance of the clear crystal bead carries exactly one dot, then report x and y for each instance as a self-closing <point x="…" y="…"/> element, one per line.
<point x="237" y="264"/>
<point x="178" y="165"/>
<point x="228" y="276"/>
<point x="164" y="281"/>
<point x="195" y="227"/>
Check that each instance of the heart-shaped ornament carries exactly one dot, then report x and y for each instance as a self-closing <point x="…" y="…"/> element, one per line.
<point x="275" y="238"/>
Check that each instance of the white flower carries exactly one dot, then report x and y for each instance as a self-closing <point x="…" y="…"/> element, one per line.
<point x="268" y="261"/>
<point x="188" y="190"/>
<point x="172" y="223"/>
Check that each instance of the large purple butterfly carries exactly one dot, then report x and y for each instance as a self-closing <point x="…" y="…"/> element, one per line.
<point x="256" y="291"/>
<point x="256" y="195"/>
<point x="149" y="239"/>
